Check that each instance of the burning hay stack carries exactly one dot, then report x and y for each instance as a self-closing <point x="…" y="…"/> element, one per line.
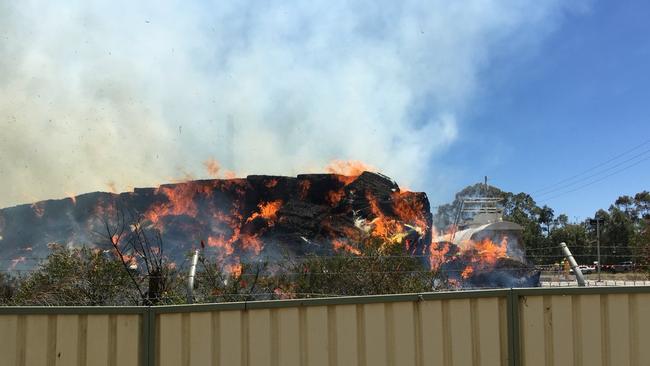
<point x="237" y="219"/>
<point x="254" y="218"/>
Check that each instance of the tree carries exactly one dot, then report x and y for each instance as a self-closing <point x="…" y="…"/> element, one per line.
<point x="81" y="276"/>
<point x="141" y="253"/>
<point x="381" y="268"/>
<point x="561" y="221"/>
<point x="545" y="216"/>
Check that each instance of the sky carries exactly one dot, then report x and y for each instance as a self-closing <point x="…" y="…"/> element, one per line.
<point x="435" y="94"/>
<point x="581" y="100"/>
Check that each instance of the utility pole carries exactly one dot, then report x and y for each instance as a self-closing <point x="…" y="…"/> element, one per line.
<point x="597" y="221"/>
<point x="598" y="245"/>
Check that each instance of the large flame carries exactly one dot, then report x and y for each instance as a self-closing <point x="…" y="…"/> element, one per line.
<point x="267" y="210"/>
<point x="351" y="168"/>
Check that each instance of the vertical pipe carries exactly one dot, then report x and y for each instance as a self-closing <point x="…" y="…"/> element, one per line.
<point x="598" y="244"/>
<point x="190" y="278"/>
<point x="576" y="270"/>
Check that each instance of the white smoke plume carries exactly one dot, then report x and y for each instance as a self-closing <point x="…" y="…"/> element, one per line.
<point x="131" y="93"/>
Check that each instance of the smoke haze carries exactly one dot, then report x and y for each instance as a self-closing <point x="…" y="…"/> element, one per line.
<point x="120" y="94"/>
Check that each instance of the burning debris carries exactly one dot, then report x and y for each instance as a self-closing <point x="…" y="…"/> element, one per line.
<point x="485" y="252"/>
<point x="244" y="220"/>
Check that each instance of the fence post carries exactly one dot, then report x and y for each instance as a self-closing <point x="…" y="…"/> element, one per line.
<point x="150" y="345"/>
<point x="144" y="337"/>
<point x="513" y="328"/>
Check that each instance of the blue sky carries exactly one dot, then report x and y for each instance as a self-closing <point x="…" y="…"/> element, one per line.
<point x="581" y="98"/>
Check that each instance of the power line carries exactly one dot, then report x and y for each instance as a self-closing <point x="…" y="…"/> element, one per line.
<point x="595" y="174"/>
<point x="598" y="180"/>
<point x="592" y="168"/>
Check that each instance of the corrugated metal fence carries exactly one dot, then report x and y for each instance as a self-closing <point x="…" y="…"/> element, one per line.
<point x="564" y="326"/>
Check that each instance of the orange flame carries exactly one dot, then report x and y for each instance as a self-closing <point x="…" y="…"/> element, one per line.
<point x="234" y="270"/>
<point x="267" y="210"/>
<point x="437" y="256"/>
<point x="212" y="166"/>
<point x="334" y="197"/>
<point x="341" y="245"/>
<point x="467" y="272"/>
<point x="489" y="252"/>
<point x="409" y="209"/>
<point x="180" y="201"/>
<point x="348" y="167"/>
<point x="252" y="243"/>
<point x="382" y="226"/>
<point x="220" y="242"/>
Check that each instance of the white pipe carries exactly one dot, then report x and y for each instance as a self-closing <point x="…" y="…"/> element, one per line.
<point x="190" y="278"/>
<point x="574" y="264"/>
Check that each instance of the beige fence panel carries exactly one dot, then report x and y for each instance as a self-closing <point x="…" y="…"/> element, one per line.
<point x="564" y="326"/>
<point x="419" y="331"/>
<point x="70" y="339"/>
<point x="584" y="328"/>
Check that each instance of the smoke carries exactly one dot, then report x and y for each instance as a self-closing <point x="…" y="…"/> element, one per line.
<point x="123" y="94"/>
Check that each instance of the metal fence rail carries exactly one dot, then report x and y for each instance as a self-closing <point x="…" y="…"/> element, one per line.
<point x="542" y="326"/>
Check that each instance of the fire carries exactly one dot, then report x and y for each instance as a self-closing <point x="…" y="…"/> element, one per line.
<point x="341" y="245"/>
<point x="383" y="226"/>
<point x="304" y="186"/>
<point x="489" y="251"/>
<point x="234" y="270"/>
<point x="212" y="166"/>
<point x="267" y="210"/>
<point x="467" y="272"/>
<point x="252" y="243"/>
<point x="180" y="201"/>
<point x="409" y="210"/>
<point x="334" y="197"/>
<point x="347" y="171"/>
<point x="348" y="167"/>
<point x="220" y="242"/>
<point x="437" y="256"/>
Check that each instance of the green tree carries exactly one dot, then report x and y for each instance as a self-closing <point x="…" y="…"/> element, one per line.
<point x="545" y="217"/>
<point x="380" y="269"/>
<point x="81" y="276"/>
